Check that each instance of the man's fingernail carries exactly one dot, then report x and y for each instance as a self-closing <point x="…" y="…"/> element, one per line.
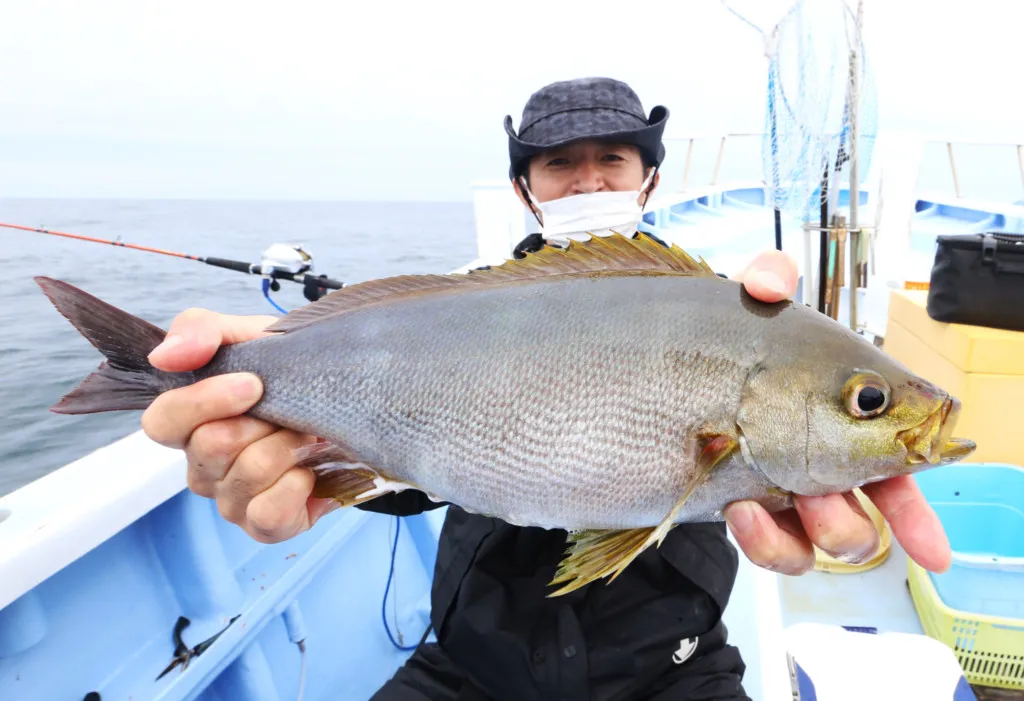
<point x="771" y="281"/>
<point x="740" y="517"/>
<point x="167" y="344"/>
<point x="246" y="386"/>
<point x="865" y="553"/>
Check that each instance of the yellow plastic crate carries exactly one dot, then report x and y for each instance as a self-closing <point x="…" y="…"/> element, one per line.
<point x="990" y="649"/>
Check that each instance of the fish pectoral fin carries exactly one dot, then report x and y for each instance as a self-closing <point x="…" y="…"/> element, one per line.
<point x="713" y="449"/>
<point x="342" y="476"/>
<point x="594" y="554"/>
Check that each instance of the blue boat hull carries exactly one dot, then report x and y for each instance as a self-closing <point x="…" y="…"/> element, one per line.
<point x="105" y="622"/>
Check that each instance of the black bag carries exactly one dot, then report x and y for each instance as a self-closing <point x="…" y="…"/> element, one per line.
<point x="979" y="280"/>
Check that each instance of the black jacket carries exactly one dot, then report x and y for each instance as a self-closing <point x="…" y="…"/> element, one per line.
<point x="496" y="627"/>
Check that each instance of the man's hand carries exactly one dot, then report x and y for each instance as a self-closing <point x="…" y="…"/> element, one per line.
<point x="243" y="463"/>
<point x="835" y="523"/>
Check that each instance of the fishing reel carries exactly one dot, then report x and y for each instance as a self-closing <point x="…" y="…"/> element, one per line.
<point x="288" y="258"/>
<point x="293" y="261"/>
<point x="284" y="258"/>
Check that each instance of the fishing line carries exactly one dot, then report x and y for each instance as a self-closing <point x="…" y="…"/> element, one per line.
<point x="266" y="293"/>
<point x="387" y="588"/>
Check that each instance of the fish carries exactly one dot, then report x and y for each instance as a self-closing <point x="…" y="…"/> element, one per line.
<point x="613" y="389"/>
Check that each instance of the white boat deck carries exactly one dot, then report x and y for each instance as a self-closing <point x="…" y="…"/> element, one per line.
<point x="875" y="598"/>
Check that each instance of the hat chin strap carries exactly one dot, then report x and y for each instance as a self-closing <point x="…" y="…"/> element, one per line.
<point x="578" y="217"/>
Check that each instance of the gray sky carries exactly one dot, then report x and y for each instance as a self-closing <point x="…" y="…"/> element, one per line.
<point x="404" y="100"/>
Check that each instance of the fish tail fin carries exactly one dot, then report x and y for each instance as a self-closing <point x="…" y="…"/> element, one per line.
<point x="125" y="380"/>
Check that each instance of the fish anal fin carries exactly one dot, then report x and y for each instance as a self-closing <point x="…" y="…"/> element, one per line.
<point x="343" y="477"/>
<point x="350" y="484"/>
<point x="313" y="454"/>
<point x="599" y="255"/>
<point x="595" y="554"/>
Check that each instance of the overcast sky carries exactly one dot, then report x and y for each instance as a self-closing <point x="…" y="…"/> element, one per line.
<point x="405" y="100"/>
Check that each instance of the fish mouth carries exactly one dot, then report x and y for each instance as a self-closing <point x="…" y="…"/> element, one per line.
<point x="930" y="443"/>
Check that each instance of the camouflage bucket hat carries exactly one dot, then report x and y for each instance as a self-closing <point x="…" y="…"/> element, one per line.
<point x="585" y="108"/>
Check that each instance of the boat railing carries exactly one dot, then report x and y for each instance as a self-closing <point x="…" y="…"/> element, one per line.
<point x="696" y="159"/>
<point x="707" y="168"/>
<point x="993" y="171"/>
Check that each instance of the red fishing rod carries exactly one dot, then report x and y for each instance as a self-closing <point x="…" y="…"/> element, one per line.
<point x="279" y="262"/>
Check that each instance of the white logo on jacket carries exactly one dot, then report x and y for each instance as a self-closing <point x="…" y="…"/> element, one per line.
<point x="685" y="651"/>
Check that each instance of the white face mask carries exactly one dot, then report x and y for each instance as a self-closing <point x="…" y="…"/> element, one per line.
<point x="590" y="213"/>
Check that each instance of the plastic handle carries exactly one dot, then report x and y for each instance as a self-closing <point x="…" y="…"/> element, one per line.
<point x="989" y="562"/>
<point x="238" y="265"/>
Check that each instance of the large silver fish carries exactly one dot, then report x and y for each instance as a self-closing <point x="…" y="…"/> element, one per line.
<point x="613" y="389"/>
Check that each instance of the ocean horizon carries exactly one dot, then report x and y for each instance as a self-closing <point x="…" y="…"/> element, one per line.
<point x="42" y="356"/>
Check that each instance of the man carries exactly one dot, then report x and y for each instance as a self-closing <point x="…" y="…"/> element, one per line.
<point x="654" y="633"/>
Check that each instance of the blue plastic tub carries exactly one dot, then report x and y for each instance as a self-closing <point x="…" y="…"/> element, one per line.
<point x="981" y="506"/>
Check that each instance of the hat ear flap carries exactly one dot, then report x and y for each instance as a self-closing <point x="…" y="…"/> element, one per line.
<point x="519" y="152"/>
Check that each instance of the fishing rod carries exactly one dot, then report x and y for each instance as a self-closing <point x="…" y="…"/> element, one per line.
<point x="281" y="261"/>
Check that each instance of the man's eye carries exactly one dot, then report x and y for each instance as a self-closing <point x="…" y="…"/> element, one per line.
<point x="558" y="162"/>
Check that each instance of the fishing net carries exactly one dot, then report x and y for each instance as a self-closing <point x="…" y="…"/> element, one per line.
<point x="807" y="121"/>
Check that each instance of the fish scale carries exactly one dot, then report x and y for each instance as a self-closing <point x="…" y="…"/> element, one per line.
<point x="613" y="389"/>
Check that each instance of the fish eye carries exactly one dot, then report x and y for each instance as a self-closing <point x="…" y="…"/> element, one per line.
<point x="866" y="395"/>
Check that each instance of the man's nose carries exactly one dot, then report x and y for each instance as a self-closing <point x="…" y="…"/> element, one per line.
<point x="588" y="178"/>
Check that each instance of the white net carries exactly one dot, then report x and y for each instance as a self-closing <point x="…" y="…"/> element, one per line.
<point x="807" y="124"/>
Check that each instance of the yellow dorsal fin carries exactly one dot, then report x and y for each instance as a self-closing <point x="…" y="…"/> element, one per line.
<point x="605" y="255"/>
<point x="362" y="295"/>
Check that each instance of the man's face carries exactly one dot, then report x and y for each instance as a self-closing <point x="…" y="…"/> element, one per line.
<point x="583" y="167"/>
